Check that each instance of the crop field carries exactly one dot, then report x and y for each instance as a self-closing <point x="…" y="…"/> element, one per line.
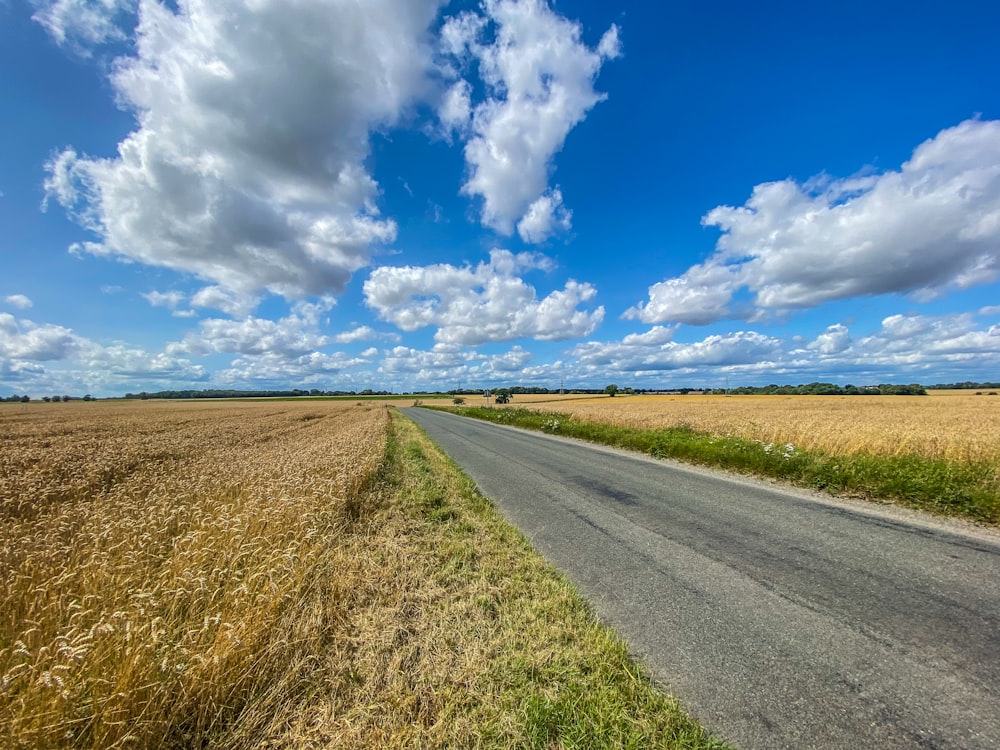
<point x="952" y="425"/>
<point x="160" y="561"/>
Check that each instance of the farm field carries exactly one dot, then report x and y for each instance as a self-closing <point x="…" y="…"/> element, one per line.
<point x="163" y="564"/>
<point x="284" y="574"/>
<point x="952" y="425"/>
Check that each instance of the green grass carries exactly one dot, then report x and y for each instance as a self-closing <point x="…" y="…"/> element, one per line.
<point x="506" y="653"/>
<point x="967" y="490"/>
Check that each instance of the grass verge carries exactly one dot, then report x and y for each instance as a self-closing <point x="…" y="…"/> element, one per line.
<point x="967" y="490"/>
<point x="465" y="637"/>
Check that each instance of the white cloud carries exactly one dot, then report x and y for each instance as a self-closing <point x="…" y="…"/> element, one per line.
<point x="656" y="351"/>
<point x="232" y="303"/>
<point x="699" y="297"/>
<point x="248" y="169"/>
<point x="455" y="110"/>
<point x="927" y="341"/>
<point x="544" y="217"/>
<point x="361" y="333"/>
<point x="83" y="23"/>
<point x="20" y="301"/>
<point x="275" y="369"/>
<point x="931" y="226"/>
<point x="310" y="312"/>
<point x="120" y="362"/>
<point x="443" y="358"/>
<point x="610" y="46"/>
<point x="834" y="340"/>
<point x="15" y="372"/>
<point x="655" y="336"/>
<point x="26" y="340"/>
<point x="75" y="364"/>
<point x="291" y="336"/>
<point x="169" y="300"/>
<point x="539" y="79"/>
<point x="446" y="364"/>
<point x="508" y="363"/>
<point x="486" y="303"/>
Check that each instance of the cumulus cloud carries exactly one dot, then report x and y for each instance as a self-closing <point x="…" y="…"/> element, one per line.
<point x="699" y="297"/>
<point x="20" y="301"/>
<point x="121" y="362"/>
<point x="15" y="372"/>
<point x="232" y="303"/>
<point x="445" y="364"/>
<point x="656" y="351"/>
<point x="274" y="369"/>
<point x="74" y="363"/>
<point x="248" y="169"/>
<point x="360" y="333"/>
<point x="364" y="333"/>
<point x="169" y="300"/>
<point x="291" y="336"/>
<point x="455" y="110"/>
<point x="508" y="363"/>
<point x="928" y="341"/>
<point x="26" y="340"/>
<point x="489" y="302"/>
<point x="441" y="361"/>
<point x="544" y="217"/>
<point x="834" y="340"/>
<point x="83" y="24"/>
<point x="539" y="84"/>
<point x="927" y="228"/>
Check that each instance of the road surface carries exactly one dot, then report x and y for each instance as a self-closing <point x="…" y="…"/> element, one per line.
<point x="779" y="619"/>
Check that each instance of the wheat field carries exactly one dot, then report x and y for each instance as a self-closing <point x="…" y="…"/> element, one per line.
<point x="953" y="425"/>
<point x="166" y="567"/>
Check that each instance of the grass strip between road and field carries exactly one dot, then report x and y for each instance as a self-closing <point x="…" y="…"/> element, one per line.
<point x="966" y="490"/>
<point x="491" y="647"/>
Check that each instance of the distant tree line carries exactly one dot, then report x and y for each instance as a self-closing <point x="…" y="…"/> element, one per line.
<point x="15" y="398"/>
<point x="807" y="389"/>
<point x="964" y="385"/>
<point x="229" y="393"/>
<point x="513" y="391"/>
<point x="827" y="389"/>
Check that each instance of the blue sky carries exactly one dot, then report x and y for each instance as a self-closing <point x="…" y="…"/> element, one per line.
<point x="424" y="195"/>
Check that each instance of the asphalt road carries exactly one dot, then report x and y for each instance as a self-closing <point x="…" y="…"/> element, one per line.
<point x="779" y="619"/>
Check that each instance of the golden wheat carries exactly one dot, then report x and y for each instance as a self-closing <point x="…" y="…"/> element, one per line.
<point x="168" y="565"/>
<point x="958" y="426"/>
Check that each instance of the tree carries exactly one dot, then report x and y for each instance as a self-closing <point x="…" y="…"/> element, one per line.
<point x="611" y="390"/>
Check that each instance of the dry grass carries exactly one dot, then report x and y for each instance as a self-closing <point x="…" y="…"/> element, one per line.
<point x="952" y="425"/>
<point x="166" y="567"/>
